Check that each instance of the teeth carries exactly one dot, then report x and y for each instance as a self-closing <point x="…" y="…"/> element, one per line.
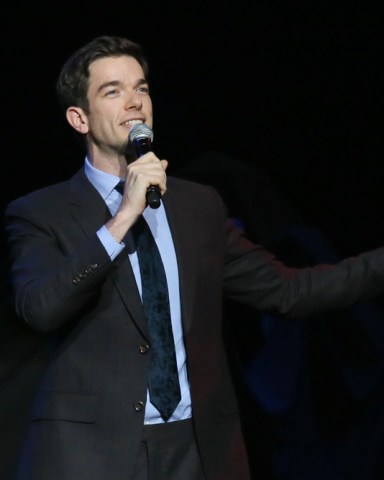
<point x="134" y="122"/>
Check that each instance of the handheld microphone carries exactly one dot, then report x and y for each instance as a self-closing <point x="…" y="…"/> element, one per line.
<point x="141" y="137"/>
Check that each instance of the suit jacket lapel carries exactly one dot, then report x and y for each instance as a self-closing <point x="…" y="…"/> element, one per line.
<point x="182" y="230"/>
<point x="90" y="213"/>
<point x="125" y="282"/>
<point x="87" y="206"/>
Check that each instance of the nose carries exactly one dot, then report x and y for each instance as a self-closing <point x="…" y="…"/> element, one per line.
<point x="133" y="100"/>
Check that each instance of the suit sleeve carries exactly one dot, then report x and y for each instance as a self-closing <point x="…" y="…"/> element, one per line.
<point x="53" y="274"/>
<point x="254" y="276"/>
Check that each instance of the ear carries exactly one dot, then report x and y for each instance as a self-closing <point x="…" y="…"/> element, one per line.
<point x="77" y="119"/>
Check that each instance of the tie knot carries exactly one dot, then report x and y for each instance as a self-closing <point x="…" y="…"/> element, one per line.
<point x="120" y="187"/>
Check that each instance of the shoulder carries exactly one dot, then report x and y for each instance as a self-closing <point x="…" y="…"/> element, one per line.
<point x="195" y="200"/>
<point x="48" y="197"/>
<point x="190" y="187"/>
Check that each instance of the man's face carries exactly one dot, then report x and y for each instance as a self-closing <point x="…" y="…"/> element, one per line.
<point x="118" y="98"/>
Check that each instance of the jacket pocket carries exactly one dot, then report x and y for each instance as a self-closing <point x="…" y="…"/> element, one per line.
<point x="65" y="406"/>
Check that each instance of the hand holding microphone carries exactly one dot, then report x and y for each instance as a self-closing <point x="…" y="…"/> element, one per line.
<point x="141" y="137"/>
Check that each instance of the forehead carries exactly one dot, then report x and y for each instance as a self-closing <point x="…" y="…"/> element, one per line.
<point x="122" y="69"/>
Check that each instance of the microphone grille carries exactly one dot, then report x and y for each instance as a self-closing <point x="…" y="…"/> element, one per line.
<point x="141" y="130"/>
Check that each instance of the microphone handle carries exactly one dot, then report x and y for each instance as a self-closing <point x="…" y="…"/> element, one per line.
<point x="153" y="195"/>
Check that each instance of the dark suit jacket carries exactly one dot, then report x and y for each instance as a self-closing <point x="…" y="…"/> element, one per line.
<point x="87" y="416"/>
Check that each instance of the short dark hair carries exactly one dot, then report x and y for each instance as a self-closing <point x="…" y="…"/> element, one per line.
<point x="72" y="83"/>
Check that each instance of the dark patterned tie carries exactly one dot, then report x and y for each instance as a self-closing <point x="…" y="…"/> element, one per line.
<point x="164" y="388"/>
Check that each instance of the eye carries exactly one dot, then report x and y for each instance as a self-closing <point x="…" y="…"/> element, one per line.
<point x="111" y="92"/>
<point x="143" y="89"/>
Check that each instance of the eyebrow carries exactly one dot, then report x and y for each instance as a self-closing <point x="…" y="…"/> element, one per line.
<point x="115" y="83"/>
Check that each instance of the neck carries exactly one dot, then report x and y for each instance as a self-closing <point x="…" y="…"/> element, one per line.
<point x="114" y="165"/>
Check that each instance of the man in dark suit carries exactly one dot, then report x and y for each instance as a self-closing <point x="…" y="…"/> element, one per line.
<point x="77" y="278"/>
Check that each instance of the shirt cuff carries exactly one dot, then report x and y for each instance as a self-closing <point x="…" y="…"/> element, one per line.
<point x="112" y="247"/>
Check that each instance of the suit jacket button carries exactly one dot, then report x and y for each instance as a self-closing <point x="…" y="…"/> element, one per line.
<point x="144" y="349"/>
<point x="138" y="406"/>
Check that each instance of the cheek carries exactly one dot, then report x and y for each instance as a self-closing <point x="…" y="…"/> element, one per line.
<point x="147" y="107"/>
<point x="101" y="129"/>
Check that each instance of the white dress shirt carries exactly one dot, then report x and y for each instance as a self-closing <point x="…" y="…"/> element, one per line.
<point x="105" y="184"/>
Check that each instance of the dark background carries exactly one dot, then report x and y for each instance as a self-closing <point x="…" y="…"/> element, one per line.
<point x="280" y="105"/>
<point x="294" y="88"/>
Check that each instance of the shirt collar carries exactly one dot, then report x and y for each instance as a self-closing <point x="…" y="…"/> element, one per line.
<point x="102" y="181"/>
